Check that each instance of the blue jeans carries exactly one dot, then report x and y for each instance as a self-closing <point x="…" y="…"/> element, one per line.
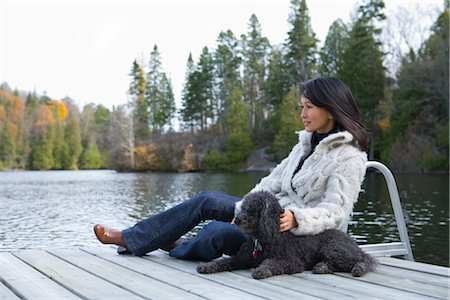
<point x="216" y="238"/>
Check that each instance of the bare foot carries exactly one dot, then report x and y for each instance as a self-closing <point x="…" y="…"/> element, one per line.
<point x="109" y="236"/>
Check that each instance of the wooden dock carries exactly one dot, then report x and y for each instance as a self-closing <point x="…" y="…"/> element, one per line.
<point x="100" y="273"/>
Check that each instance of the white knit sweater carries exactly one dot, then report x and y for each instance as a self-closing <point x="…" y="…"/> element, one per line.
<point x="325" y="188"/>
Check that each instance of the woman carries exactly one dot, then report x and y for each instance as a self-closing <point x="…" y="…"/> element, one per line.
<point x="317" y="185"/>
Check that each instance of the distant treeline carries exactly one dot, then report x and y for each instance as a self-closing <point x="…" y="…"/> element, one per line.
<point x="241" y="96"/>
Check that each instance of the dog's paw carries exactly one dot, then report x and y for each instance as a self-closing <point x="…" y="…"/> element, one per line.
<point x="261" y="273"/>
<point x="322" y="268"/>
<point x="207" y="268"/>
<point x="359" y="269"/>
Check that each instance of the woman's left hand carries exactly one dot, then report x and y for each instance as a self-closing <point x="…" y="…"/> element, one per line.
<point x="287" y="221"/>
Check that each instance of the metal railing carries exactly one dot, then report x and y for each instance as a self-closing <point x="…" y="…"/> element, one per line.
<point x="395" y="248"/>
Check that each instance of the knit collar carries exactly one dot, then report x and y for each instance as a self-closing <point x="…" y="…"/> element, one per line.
<point x="332" y="140"/>
<point x="318" y="137"/>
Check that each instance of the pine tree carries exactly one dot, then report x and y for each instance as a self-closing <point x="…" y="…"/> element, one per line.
<point x="331" y="54"/>
<point x="73" y="139"/>
<point x="277" y="83"/>
<point x="167" y="107"/>
<point x="91" y="159"/>
<point x="255" y="56"/>
<point x="227" y="62"/>
<point x="7" y="144"/>
<point x="60" y="148"/>
<point x="102" y="120"/>
<point x="159" y="93"/>
<point x="187" y="107"/>
<point x="238" y="144"/>
<point x="139" y="103"/>
<point x="205" y="84"/>
<point x="362" y="67"/>
<point x="42" y="137"/>
<point x="301" y="44"/>
<point x="289" y="122"/>
<point x="153" y="92"/>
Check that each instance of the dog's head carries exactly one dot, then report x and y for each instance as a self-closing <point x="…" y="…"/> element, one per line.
<point x="258" y="214"/>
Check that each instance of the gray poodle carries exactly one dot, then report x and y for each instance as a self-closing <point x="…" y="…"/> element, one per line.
<point x="272" y="252"/>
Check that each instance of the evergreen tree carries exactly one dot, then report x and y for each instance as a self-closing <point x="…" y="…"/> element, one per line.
<point x="362" y="66"/>
<point x="73" y="139"/>
<point x="102" y="119"/>
<point x="41" y="155"/>
<point x="32" y="102"/>
<point x="198" y="99"/>
<point x="167" y="109"/>
<point x="7" y="144"/>
<point x="255" y="55"/>
<point x="91" y="158"/>
<point x="290" y="122"/>
<point x="227" y="62"/>
<point x="301" y="44"/>
<point x="159" y="93"/>
<point x="277" y="83"/>
<point x="205" y="69"/>
<point x="276" y="87"/>
<point x="60" y="148"/>
<point x="187" y="104"/>
<point x="331" y="54"/>
<point x="238" y="144"/>
<point x="139" y="103"/>
<point x="153" y="91"/>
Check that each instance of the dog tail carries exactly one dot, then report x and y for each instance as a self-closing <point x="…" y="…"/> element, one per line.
<point x="367" y="264"/>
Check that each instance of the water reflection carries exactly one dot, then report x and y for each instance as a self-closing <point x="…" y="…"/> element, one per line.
<point x="56" y="209"/>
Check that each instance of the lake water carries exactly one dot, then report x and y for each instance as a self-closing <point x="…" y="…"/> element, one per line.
<point x="57" y="209"/>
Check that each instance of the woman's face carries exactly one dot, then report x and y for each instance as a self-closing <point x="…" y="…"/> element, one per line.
<point x="316" y="118"/>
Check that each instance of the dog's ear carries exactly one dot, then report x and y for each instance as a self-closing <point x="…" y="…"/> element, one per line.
<point x="269" y="225"/>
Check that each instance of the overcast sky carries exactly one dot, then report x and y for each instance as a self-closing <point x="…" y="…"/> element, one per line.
<point x="85" y="49"/>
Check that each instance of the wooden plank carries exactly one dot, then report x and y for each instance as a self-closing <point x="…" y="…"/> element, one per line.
<point x="401" y="284"/>
<point x="416" y="266"/>
<point x="29" y="283"/>
<point x="414" y="275"/>
<point x="6" y="293"/>
<point x="195" y="284"/>
<point x="231" y="279"/>
<point x="365" y="288"/>
<point x="74" y="279"/>
<point x="125" y="278"/>
<point x="311" y="288"/>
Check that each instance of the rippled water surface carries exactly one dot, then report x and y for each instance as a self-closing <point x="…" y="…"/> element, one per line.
<point x="57" y="209"/>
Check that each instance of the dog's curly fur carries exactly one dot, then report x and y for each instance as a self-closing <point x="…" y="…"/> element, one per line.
<point x="284" y="253"/>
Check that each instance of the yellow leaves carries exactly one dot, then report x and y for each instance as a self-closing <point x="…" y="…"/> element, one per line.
<point x="189" y="164"/>
<point x="60" y="109"/>
<point x="145" y="158"/>
<point x="384" y="124"/>
<point x="47" y="114"/>
<point x="2" y="114"/>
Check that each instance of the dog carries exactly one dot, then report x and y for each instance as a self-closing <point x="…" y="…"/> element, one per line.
<point x="271" y="252"/>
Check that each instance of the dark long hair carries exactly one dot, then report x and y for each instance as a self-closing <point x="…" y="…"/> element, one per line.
<point x="335" y="96"/>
